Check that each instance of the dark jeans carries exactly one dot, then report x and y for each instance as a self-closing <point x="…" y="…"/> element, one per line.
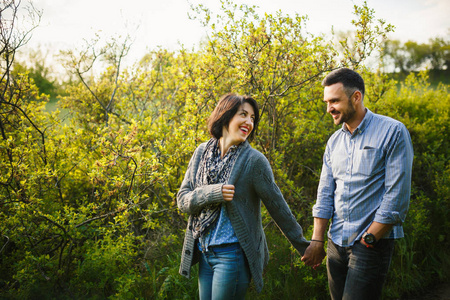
<point x="358" y="272"/>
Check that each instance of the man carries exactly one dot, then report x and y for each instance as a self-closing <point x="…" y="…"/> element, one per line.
<point x="364" y="189"/>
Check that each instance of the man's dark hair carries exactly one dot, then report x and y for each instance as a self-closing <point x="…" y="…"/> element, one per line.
<point x="226" y="109"/>
<point x="351" y="80"/>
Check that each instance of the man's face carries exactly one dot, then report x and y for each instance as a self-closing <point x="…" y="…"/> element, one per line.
<point x="339" y="106"/>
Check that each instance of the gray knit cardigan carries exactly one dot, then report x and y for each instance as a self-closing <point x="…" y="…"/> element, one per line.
<point x="253" y="180"/>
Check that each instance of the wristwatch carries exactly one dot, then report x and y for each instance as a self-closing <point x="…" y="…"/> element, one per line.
<point x="369" y="239"/>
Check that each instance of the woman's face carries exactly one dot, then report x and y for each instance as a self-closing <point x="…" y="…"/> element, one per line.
<point x="240" y="126"/>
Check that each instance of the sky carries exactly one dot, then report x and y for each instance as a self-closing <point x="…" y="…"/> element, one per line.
<point x="65" y="24"/>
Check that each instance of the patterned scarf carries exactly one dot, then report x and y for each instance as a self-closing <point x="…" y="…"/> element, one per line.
<point x="212" y="170"/>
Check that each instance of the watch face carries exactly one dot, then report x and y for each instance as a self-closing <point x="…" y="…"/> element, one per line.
<point x="369" y="239"/>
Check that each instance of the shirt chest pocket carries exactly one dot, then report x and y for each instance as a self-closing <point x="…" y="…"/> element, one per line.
<point x="367" y="161"/>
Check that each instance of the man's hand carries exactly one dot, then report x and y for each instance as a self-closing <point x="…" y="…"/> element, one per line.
<point x="314" y="254"/>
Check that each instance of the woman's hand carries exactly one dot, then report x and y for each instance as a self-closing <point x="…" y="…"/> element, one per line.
<point x="228" y="192"/>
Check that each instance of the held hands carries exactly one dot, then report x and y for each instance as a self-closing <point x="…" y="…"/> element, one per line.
<point x="314" y="254"/>
<point x="228" y="192"/>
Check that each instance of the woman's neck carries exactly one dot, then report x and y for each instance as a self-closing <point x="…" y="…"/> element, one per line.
<point x="224" y="145"/>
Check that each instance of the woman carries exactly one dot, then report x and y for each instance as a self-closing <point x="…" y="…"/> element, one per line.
<point x="222" y="191"/>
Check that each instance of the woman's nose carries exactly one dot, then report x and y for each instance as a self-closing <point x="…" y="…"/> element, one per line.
<point x="249" y="122"/>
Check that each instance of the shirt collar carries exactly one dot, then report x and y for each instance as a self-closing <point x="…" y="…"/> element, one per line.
<point x="364" y="123"/>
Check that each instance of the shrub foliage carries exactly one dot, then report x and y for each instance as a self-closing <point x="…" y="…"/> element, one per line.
<point x="88" y="206"/>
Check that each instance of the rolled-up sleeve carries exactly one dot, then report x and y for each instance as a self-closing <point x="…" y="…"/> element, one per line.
<point x="399" y="159"/>
<point x="324" y="207"/>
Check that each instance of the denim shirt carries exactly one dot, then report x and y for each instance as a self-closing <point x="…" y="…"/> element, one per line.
<point x="366" y="177"/>
<point x="220" y="233"/>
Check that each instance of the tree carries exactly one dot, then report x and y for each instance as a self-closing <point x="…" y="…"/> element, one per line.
<point x="439" y="54"/>
<point x="394" y="50"/>
<point x="18" y="100"/>
<point x="80" y="64"/>
<point x="418" y="54"/>
<point x="42" y="74"/>
<point x="88" y="207"/>
<point x="412" y="56"/>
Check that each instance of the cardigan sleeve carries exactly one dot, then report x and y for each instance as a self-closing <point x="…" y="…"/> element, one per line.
<point x="191" y="200"/>
<point x="277" y="207"/>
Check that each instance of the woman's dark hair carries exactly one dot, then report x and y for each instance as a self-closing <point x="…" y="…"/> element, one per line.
<point x="226" y="109"/>
<point x="351" y="80"/>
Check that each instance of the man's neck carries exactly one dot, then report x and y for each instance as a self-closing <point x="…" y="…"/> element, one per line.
<point x="351" y="126"/>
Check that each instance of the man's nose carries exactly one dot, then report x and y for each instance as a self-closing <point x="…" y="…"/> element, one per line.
<point x="329" y="108"/>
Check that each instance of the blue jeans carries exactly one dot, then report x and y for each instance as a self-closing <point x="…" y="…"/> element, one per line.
<point x="358" y="272"/>
<point x="223" y="273"/>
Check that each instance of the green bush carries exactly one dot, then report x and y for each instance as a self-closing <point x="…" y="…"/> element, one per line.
<point x="421" y="259"/>
<point x="88" y="204"/>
